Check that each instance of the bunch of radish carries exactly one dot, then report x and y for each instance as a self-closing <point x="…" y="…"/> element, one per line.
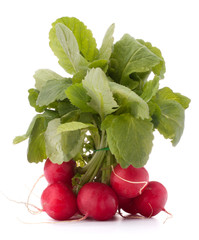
<point x="102" y="114"/>
<point x="129" y="190"/>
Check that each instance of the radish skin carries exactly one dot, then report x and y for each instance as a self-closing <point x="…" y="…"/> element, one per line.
<point x="59" y="201"/>
<point x="98" y="201"/>
<point x="54" y="172"/>
<point x="152" y="200"/>
<point x="128" y="205"/>
<point x="129" y="182"/>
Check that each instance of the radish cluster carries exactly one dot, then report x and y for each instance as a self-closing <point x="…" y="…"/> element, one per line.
<point x="136" y="194"/>
<point x="129" y="190"/>
<point x="103" y="114"/>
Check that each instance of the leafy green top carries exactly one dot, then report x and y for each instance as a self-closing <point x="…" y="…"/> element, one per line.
<point x="110" y="96"/>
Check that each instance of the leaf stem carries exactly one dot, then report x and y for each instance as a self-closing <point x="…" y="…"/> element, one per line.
<point x="92" y="168"/>
<point x="106" y="168"/>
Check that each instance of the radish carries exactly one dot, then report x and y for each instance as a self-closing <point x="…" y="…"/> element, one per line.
<point x="97" y="200"/>
<point x="152" y="200"/>
<point x="128" y="205"/>
<point x="59" y="201"/>
<point x="129" y="182"/>
<point x="54" y="172"/>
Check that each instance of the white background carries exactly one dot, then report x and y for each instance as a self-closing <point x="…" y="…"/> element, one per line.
<point x="172" y="26"/>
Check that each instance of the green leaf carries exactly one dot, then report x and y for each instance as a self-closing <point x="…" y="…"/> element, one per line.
<point x="48" y="115"/>
<point x="72" y="126"/>
<point x="150" y="89"/>
<point x="97" y="87"/>
<point x="53" y="90"/>
<point x="70" y="47"/>
<point x="64" y="107"/>
<point x="129" y="101"/>
<point x="36" y="145"/>
<point x="130" y="56"/>
<point x="70" y="116"/>
<point x="62" y="147"/>
<point x="155" y="113"/>
<point x="129" y="139"/>
<point x="139" y="80"/>
<point x="41" y="76"/>
<point x="78" y="77"/>
<point x="107" y="44"/>
<point x="101" y="63"/>
<point x="159" y="69"/>
<point x="22" y="138"/>
<point x="32" y="97"/>
<point x="140" y="77"/>
<point x="171" y="120"/>
<point x="167" y="93"/>
<point x="79" y="97"/>
<point x="86" y="42"/>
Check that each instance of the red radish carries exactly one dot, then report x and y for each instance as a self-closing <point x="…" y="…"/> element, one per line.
<point x="97" y="200"/>
<point x="59" y="201"/>
<point x="152" y="200"/>
<point x="127" y="204"/>
<point x="129" y="182"/>
<point x="59" y="172"/>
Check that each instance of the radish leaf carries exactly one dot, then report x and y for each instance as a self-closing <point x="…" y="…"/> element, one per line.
<point x="97" y="87"/>
<point x="72" y="126"/>
<point x="167" y="93"/>
<point x="129" y="101"/>
<point x="41" y="76"/>
<point x="36" y="145"/>
<point x="86" y="42"/>
<point x="171" y="119"/>
<point x="70" y="47"/>
<point x="53" y="90"/>
<point x="129" y="56"/>
<point x="129" y="139"/>
<point x="62" y="147"/>
<point x="107" y="44"/>
<point x="79" y="97"/>
<point x="150" y="89"/>
<point x="159" y="69"/>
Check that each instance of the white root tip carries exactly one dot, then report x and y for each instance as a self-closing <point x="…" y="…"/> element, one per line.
<point x="169" y="215"/>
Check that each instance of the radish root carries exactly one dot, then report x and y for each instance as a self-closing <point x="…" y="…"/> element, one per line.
<point x="28" y="204"/>
<point x="56" y="222"/>
<point x="169" y="215"/>
<point x="151" y="210"/>
<point x="24" y="203"/>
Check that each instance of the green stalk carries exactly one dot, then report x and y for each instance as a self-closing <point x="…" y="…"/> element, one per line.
<point x="92" y="168"/>
<point x="106" y="168"/>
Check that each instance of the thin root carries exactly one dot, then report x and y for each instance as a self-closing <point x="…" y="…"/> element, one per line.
<point x="56" y="222"/>
<point x="168" y="217"/>
<point x="28" y="204"/>
<point x="25" y="203"/>
<point x="151" y="210"/>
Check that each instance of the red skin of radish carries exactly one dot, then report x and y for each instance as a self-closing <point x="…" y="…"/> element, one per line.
<point x="152" y="200"/>
<point x="59" y="172"/>
<point x="120" y="177"/>
<point x="98" y="201"/>
<point x="59" y="201"/>
<point x="128" y="205"/>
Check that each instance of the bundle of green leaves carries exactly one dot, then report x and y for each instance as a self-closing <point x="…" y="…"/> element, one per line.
<point x="107" y="110"/>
